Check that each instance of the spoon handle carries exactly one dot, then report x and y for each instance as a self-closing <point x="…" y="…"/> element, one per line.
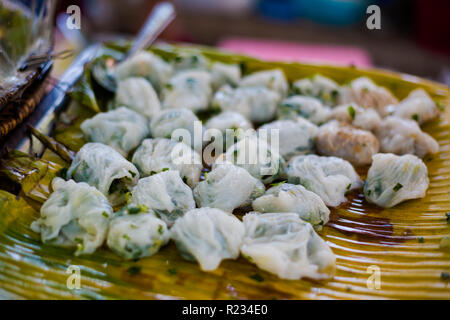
<point x="160" y="17"/>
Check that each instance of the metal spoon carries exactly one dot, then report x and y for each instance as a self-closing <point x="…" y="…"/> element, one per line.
<point x="160" y="17"/>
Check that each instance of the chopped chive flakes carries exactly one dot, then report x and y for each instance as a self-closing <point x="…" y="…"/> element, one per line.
<point x="105" y="214"/>
<point x="126" y="237"/>
<point x="351" y="112"/>
<point x="134" y="270"/>
<point x="165" y="169"/>
<point x="257" y="277"/>
<point x="160" y="229"/>
<point x="397" y="187"/>
<point x="415" y="117"/>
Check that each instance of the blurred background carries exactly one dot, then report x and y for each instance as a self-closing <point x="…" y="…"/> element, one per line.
<point x="414" y="35"/>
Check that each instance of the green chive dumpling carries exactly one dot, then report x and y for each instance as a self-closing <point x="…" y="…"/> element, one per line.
<point x="75" y="215"/>
<point x="272" y="79"/>
<point x="223" y="74"/>
<point x="146" y="65"/>
<point x="256" y="156"/>
<point x="104" y="168"/>
<point x="232" y="126"/>
<point x="137" y="94"/>
<point x="208" y="235"/>
<point x="283" y="244"/>
<point x="306" y="107"/>
<point x="189" y="89"/>
<point x="165" y="194"/>
<point x="257" y="104"/>
<point x="393" y="179"/>
<point x="319" y="87"/>
<point x="135" y="232"/>
<point x="417" y="106"/>
<point x="328" y="177"/>
<point x="122" y="129"/>
<point x="288" y="197"/>
<point x="296" y="137"/>
<point x="228" y="187"/>
<point x="361" y="118"/>
<point x="156" y="155"/>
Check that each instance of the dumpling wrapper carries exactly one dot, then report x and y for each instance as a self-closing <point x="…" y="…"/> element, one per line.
<point x="285" y="245"/>
<point x="319" y="87"/>
<point x="328" y="177"/>
<point x="272" y="79"/>
<point x="393" y="179"/>
<point x="223" y="73"/>
<point x="208" y="235"/>
<point x="137" y="94"/>
<point x="309" y="108"/>
<point x="136" y="235"/>
<point x="156" y="155"/>
<point x="165" y="194"/>
<point x="361" y="118"/>
<point x="74" y="215"/>
<point x="105" y="169"/>
<point x="228" y="187"/>
<point x="294" y="198"/>
<point x="122" y="129"/>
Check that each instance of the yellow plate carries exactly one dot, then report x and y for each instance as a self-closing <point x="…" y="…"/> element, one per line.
<point x="400" y="247"/>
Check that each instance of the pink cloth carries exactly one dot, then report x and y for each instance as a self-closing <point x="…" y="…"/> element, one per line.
<point x="289" y="51"/>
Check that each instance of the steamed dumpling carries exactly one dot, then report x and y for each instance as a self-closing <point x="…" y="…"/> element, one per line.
<point x="228" y="187"/>
<point x="319" y="87"/>
<point x="122" y="129"/>
<point x="393" y="179"/>
<point x="343" y="141"/>
<point x="296" y="137"/>
<point x="257" y="104"/>
<point x="272" y="79"/>
<point x="135" y="233"/>
<point x="256" y="156"/>
<point x="294" y="198"/>
<point x="361" y="118"/>
<point x="285" y="245"/>
<point x="403" y="136"/>
<point x="208" y="236"/>
<point x="104" y="168"/>
<point x="146" y="65"/>
<point x="235" y="122"/>
<point x="191" y="60"/>
<point x="328" y="177"/>
<point x="367" y="94"/>
<point x="306" y="107"/>
<point x="164" y="123"/>
<point x="75" y="215"/>
<point x="156" y="155"/>
<point x="223" y="73"/>
<point x="417" y="106"/>
<point x="165" y="194"/>
<point x="189" y="89"/>
<point x="137" y="94"/>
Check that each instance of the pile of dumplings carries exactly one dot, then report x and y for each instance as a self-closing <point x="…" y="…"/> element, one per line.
<point x="136" y="188"/>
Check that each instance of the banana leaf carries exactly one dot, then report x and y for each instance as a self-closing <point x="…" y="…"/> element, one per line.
<point x="403" y="243"/>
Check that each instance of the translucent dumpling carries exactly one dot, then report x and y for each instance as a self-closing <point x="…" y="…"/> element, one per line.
<point x="228" y="187"/>
<point x="328" y="177"/>
<point x="343" y="141"/>
<point x="191" y="60"/>
<point x="135" y="233"/>
<point x="164" y="123"/>
<point x="122" y="129"/>
<point x="258" y="104"/>
<point x="296" y="137"/>
<point x="307" y="107"/>
<point x="319" y="87"/>
<point x="223" y="74"/>
<point x="137" y="94"/>
<point x="294" y="198"/>
<point x="361" y="118"/>
<point x="417" y="106"/>
<point x="403" y="136"/>
<point x="256" y="156"/>
<point x="272" y="79"/>
<point x="393" y="179"/>
<point x="233" y="121"/>
<point x="367" y="94"/>
<point x="165" y="194"/>
<point x="147" y="65"/>
<point x="189" y="89"/>
<point x="208" y="236"/>
<point x="285" y="245"/>
<point x="156" y="155"/>
<point x="75" y="215"/>
<point x="104" y="168"/>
